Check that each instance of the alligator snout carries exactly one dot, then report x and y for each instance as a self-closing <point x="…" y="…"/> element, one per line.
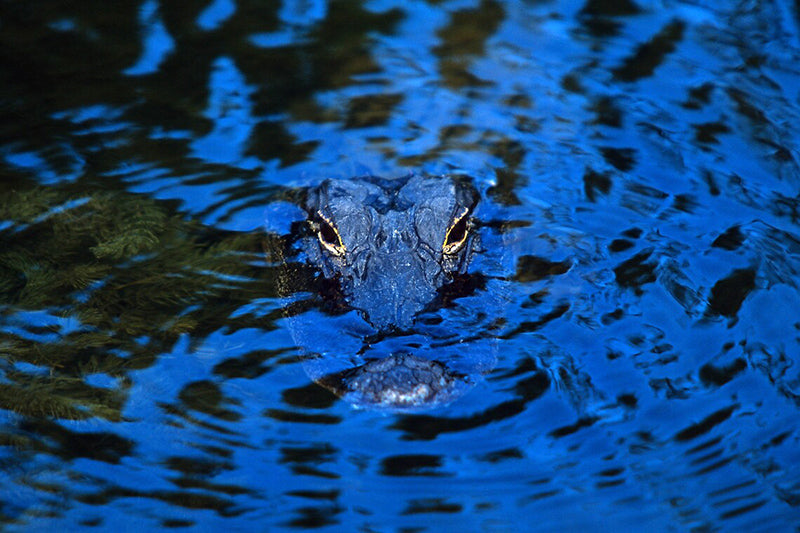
<point x="400" y="381"/>
<point x="400" y="282"/>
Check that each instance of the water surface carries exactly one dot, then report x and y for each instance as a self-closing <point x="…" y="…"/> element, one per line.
<point x="639" y="169"/>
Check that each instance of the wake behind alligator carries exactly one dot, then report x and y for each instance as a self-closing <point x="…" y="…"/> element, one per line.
<point x="397" y="320"/>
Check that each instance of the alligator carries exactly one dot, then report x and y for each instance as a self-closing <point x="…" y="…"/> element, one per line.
<point x="393" y="254"/>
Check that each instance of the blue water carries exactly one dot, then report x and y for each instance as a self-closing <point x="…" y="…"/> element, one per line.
<point x="638" y="163"/>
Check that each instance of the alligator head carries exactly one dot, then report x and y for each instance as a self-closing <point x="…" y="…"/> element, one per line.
<point x="391" y="247"/>
<point x="392" y="243"/>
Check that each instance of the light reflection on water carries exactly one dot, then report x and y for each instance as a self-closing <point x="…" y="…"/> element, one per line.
<point x="148" y="375"/>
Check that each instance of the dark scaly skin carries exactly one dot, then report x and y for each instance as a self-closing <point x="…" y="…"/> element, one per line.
<point x="399" y="380"/>
<point x="391" y="245"/>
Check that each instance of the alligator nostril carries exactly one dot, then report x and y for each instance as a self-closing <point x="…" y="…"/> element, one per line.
<point x="380" y="238"/>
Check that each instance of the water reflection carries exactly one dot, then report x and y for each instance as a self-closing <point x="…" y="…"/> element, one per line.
<point x="642" y="167"/>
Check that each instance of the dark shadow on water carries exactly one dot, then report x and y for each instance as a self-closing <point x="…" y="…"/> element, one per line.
<point x="530" y="384"/>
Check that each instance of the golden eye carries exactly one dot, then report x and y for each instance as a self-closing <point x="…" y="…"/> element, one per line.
<point x="329" y="236"/>
<point x="457" y="233"/>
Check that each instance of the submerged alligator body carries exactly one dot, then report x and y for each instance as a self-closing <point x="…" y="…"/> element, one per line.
<point x="395" y="254"/>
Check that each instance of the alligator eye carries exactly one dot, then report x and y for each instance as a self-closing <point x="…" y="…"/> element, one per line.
<point x="329" y="236"/>
<point x="457" y="233"/>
